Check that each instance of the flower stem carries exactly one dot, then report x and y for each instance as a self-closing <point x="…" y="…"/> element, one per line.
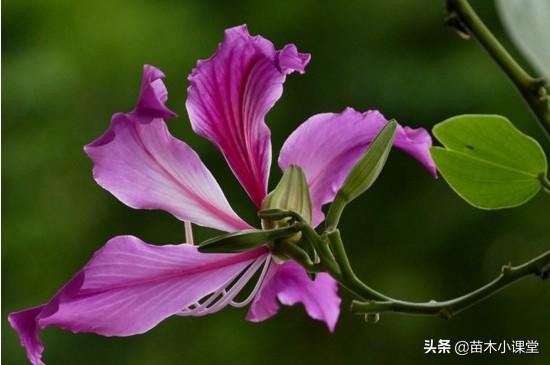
<point x="539" y="266"/>
<point x="335" y="212"/>
<point x="464" y="18"/>
<point x="337" y="264"/>
<point x="334" y="261"/>
<point x="346" y="277"/>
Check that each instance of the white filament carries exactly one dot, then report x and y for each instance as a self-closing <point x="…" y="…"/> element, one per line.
<point x="256" y="287"/>
<point x="229" y="290"/>
<point x="235" y="289"/>
<point x="188" y="232"/>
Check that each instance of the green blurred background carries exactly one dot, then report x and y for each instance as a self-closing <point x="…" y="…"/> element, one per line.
<point x="69" y="65"/>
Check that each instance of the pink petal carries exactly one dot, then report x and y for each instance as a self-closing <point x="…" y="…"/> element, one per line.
<point x="128" y="287"/>
<point x="153" y="95"/>
<point x="24" y="323"/>
<point x="229" y="95"/>
<point x="326" y="146"/>
<point x="290" y="284"/>
<point x="145" y="167"/>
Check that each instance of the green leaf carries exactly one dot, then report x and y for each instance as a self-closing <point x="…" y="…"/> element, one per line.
<point x="364" y="173"/>
<point x="488" y="161"/>
<point x="245" y="240"/>
<point x="292" y="193"/>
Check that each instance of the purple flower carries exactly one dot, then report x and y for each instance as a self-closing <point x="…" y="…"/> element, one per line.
<point x="129" y="286"/>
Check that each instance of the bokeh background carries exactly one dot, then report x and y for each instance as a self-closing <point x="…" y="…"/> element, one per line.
<point x="68" y="65"/>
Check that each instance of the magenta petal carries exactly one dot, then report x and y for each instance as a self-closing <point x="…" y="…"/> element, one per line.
<point x="290" y="284"/>
<point x="24" y="324"/>
<point x="326" y="146"/>
<point x="290" y="60"/>
<point x="153" y="95"/>
<point x="229" y="96"/>
<point x="128" y="287"/>
<point x="145" y="167"/>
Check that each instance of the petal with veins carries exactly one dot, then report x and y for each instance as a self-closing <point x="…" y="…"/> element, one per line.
<point x="290" y="284"/>
<point x="326" y="146"/>
<point x="144" y="166"/>
<point x="129" y="286"/>
<point x="229" y="96"/>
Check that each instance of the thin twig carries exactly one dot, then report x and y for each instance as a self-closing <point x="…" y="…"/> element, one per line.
<point x="463" y="18"/>
<point x="376" y="302"/>
<point x="539" y="266"/>
<point x="334" y="260"/>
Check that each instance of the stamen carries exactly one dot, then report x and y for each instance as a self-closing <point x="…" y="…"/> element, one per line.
<point x="216" y="295"/>
<point x="256" y="287"/>
<point x="190" y="310"/>
<point x="235" y="289"/>
<point x="188" y="232"/>
<point x="229" y="290"/>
